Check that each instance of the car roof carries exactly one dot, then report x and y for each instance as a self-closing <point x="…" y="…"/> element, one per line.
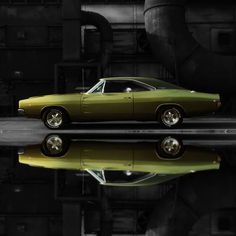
<point x="131" y="78"/>
<point x="150" y="81"/>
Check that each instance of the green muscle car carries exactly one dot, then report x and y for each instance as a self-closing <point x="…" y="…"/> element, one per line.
<point x="121" y="99"/>
<point x="122" y="163"/>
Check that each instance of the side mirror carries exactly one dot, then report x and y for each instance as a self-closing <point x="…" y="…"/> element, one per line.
<point x="128" y="90"/>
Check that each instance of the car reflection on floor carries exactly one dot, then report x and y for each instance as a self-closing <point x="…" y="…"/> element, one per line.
<point x="121" y="163"/>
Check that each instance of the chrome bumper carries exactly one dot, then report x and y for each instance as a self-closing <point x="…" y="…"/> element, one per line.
<point x="21" y="112"/>
<point x="21" y="151"/>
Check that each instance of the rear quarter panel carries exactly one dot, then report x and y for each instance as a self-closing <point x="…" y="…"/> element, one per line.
<point x="193" y="103"/>
<point x="193" y="159"/>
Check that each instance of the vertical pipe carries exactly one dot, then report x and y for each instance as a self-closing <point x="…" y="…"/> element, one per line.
<point x="106" y="32"/>
<point x="71" y="14"/>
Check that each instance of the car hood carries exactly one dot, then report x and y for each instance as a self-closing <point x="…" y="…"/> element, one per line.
<point x="50" y="99"/>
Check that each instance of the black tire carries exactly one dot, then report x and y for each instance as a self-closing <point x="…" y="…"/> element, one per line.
<point x="50" y="150"/>
<point x="168" y="122"/>
<point x="170" y="148"/>
<point x="48" y="113"/>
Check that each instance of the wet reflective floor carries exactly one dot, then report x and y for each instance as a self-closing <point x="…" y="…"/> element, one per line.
<point x="32" y="131"/>
<point x="142" y="181"/>
<point x="205" y="123"/>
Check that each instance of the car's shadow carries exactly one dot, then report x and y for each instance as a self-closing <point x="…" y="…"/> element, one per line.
<point x="116" y="126"/>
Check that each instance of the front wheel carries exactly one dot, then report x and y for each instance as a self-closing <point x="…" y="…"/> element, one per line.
<point x="170" y="148"/>
<point x="170" y="117"/>
<point x="54" y="118"/>
<point x="55" y="146"/>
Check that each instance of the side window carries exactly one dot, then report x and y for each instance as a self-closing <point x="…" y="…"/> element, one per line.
<point x="123" y="176"/>
<point x="115" y="86"/>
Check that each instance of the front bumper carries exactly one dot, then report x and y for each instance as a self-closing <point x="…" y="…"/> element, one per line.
<point x="21" y="112"/>
<point x="21" y="151"/>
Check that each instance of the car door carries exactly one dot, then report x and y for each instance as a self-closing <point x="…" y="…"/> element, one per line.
<point x="112" y="103"/>
<point x="106" y="155"/>
<point x="145" y="99"/>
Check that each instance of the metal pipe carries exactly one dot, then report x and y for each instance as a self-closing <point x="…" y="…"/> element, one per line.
<point x="198" y="68"/>
<point x="106" y="38"/>
<point x="73" y="18"/>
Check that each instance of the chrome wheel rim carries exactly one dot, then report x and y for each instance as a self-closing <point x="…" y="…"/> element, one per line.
<point x="54" y="118"/>
<point x="54" y="144"/>
<point x="171" y="117"/>
<point x="171" y="146"/>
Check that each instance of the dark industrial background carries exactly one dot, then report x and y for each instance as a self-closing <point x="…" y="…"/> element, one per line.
<point x="58" y="46"/>
<point x="43" y="49"/>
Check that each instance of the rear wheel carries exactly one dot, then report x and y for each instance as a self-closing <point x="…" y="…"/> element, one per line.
<point x="55" y="118"/>
<point x="170" y="116"/>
